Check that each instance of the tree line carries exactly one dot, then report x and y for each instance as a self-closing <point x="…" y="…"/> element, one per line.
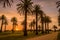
<point x="27" y="8"/>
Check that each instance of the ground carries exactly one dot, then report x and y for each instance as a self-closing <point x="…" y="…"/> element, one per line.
<point x="19" y="36"/>
<point x="52" y="36"/>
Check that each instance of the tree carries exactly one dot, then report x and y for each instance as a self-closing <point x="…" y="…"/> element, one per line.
<point x="32" y="24"/>
<point x="38" y="12"/>
<point x="25" y="6"/>
<point x="48" y="20"/>
<point x="14" y="23"/>
<point x="6" y="23"/>
<point x="45" y="22"/>
<point x="39" y="28"/>
<point x="55" y="27"/>
<point x="6" y="2"/>
<point x="41" y="18"/>
<point x="58" y="5"/>
<point x="2" y="19"/>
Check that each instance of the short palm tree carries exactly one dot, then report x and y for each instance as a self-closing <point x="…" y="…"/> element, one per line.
<point x="6" y="2"/>
<point x="25" y="6"/>
<point x="32" y="24"/>
<point x="14" y="23"/>
<point x="2" y="19"/>
<point x="5" y="23"/>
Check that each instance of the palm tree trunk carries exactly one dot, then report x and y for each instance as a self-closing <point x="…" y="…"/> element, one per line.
<point x="42" y="24"/>
<point x="31" y="29"/>
<point x="25" y="28"/>
<point x="45" y="27"/>
<point x="1" y="25"/>
<point x="36" y="24"/>
<point x="13" y="28"/>
<point x="5" y="28"/>
<point x="48" y="27"/>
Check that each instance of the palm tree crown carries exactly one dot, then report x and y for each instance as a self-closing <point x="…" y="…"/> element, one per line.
<point x="6" y="2"/>
<point x="14" y="20"/>
<point x="25" y="5"/>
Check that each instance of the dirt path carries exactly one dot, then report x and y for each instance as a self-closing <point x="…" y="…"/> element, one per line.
<point x="52" y="36"/>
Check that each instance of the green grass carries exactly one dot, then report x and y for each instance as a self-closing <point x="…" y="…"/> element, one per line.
<point x="17" y="35"/>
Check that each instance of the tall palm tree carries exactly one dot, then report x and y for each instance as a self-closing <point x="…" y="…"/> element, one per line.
<point x="41" y="18"/>
<point x="48" y="20"/>
<point x="37" y="11"/>
<point x="6" y="2"/>
<point x="32" y="24"/>
<point x="45" y="22"/>
<point x="2" y="19"/>
<point x="6" y="23"/>
<point x="58" y="5"/>
<point x="14" y="23"/>
<point x="25" y="6"/>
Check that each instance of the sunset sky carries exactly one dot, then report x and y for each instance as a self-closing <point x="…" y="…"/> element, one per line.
<point x="48" y="6"/>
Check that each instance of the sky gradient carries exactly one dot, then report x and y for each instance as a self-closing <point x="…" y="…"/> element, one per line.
<point x="48" y="6"/>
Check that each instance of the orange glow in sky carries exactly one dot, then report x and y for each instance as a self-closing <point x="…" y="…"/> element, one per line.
<point x="48" y="6"/>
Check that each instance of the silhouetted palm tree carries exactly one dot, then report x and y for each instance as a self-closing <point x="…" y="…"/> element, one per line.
<point x="32" y="24"/>
<point x="6" y="23"/>
<point x="58" y="4"/>
<point x="41" y="14"/>
<point x="37" y="11"/>
<point x="48" y="20"/>
<point x="6" y="2"/>
<point x="2" y="19"/>
<point x="55" y="27"/>
<point x="23" y="23"/>
<point x="25" y="6"/>
<point x="14" y="23"/>
<point x="39" y="27"/>
<point x="45" y="22"/>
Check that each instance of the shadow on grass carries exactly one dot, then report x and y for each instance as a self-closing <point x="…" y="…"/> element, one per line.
<point x="58" y="37"/>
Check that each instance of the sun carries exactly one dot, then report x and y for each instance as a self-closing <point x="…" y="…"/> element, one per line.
<point x="17" y="29"/>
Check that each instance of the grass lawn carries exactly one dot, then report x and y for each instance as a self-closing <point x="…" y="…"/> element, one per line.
<point x="17" y="35"/>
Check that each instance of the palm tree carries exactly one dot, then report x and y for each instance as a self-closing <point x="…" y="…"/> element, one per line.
<point x="6" y="2"/>
<point x="48" y="20"/>
<point x="39" y="27"/>
<point x="54" y="28"/>
<point x="58" y="5"/>
<point x="45" y="22"/>
<point x="2" y="19"/>
<point x="37" y="11"/>
<point x="14" y="23"/>
<point x="6" y="23"/>
<point x="32" y="24"/>
<point x="25" y="6"/>
<point x="23" y="23"/>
